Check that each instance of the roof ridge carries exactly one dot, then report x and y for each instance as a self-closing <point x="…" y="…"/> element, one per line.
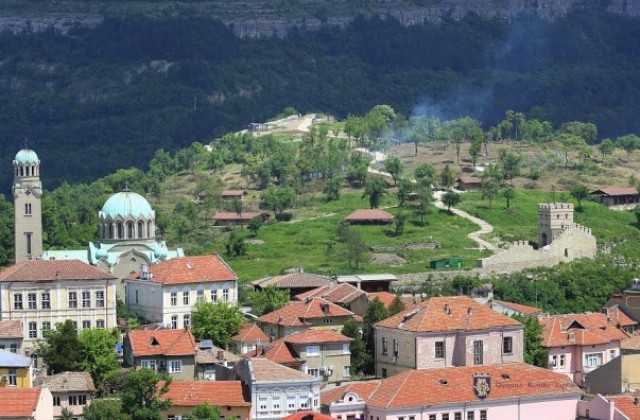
<point x="406" y="377"/>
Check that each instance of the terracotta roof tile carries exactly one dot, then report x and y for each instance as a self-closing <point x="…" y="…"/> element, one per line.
<point x="18" y="402"/>
<point x="617" y="315"/>
<point x="626" y="405"/>
<point x="307" y="415"/>
<point x="523" y="309"/>
<point x="317" y="337"/>
<point x="192" y="393"/>
<point x="250" y="333"/>
<point x="69" y="382"/>
<point x="364" y="389"/>
<point x="267" y="371"/>
<point x="586" y="329"/>
<point x="51" y="270"/>
<point x="448" y="313"/>
<point x="630" y="343"/>
<point x="162" y="342"/>
<point x="454" y="385"/>
<point x="336" y="293"/>
<point x="245" y="215"/>
<point x="296" y="313"/>
<point x="385" y="297"/>
<point x="206" y="268"/>
<point x="613" y="191"/>
<point x="470" y="180"/>
<point x="293" y="280"/>
<point x="277" y="351"/>
<point x="210" y="356"/>
<point x="369" y="214"/>
<point x="10" y="329"/>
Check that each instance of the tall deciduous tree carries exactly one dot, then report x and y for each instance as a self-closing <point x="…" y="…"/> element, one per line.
<point x="424" y="203"/>
<point x="447" y="178"/>
<point x="606" y="148"/>
<point x="375" y="189"/>
<point x="277" y="200"/>
<point x="376" y="312"/>
<point x="360" y="359"/>
<point x="142" y="393"/>
<point x="205" y="412"/>
<point x="216" y="321"/>
<point x="62" y="350"/>
<point x="450" y="198"/>
<point x="405" y="187"/>
<point x="534" y="353"/>
<point x="393" y="165"/>
<point x="580" y="193"/>
<point x="108" y="409"/>
<point x="267" y="300"/>
<point x="100" y="358"/>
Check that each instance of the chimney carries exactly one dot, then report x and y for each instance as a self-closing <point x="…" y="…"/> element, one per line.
<point x="572" y="337"/>
<point x="636" y="401"/>
<point x="446" y="308"/>
<point x="220" y="355"/>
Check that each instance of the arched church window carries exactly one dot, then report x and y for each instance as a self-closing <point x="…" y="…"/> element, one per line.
<point x="140" y="229"/>
<point x="110" y="230"/>
<point x="21" y="171"/>
<point x="120" y="230"/>
<point x="149" y="235"/>
<point x="130" y="231"/>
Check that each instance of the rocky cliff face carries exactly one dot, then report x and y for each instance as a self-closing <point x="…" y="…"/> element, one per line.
<point x="255" y="18"/>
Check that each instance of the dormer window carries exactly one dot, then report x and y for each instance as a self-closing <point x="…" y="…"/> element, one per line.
<point x="154" y="342"/>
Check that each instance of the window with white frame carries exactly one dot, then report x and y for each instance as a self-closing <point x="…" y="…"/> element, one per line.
<point x="612" y="354"/>
<point x="275" y="403"/>
<point x="174" y="298"/>
<point x="507" y="345"/>
<point x="385" y="346"/>
<point x="214" y="295"/>
<point x="73" y="400"/>
<point x="345" y="348"/>
<point x="186" y="321"/>
<point x="439" y="350"/>
<point x="31" y="301"/>
<point x="471" y="415"/>
<point x="313" y="351"/>
<point x="86" y="299"/>
<point x="291" y="402"/>
<point x="174" y="322"/>
<point x="225" y="295"/>
<point x="263" y="403"/>
<point x="13" y="348"/>
<point x="346" y="371"/>
<point x="46" y="326"/>
<point x="185" y="297"/>
<point x="99" y="299"/>
<point x="73" y="300"/>
<point x="562" y="360"/>
<point x="445" y="416"/>
<point x="175" y="366"/>
<point x="483" y="414"/>
<point x="149" y="364"/>
<point x="33" y="330"/>
<point x="100" y="324"/>
<point x="13" y="377"/>
<point x="592" y="359"/>
<point x="17" y="301"/>
<point x="86" y="325"/>
<point x="56" y="401"/>
<point x="200" y="295"/>
<point x="46" y="301"/>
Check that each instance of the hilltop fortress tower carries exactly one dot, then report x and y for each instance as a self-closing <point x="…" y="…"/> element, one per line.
<point x="27" y="198"/>
<point x="553" y="218"/>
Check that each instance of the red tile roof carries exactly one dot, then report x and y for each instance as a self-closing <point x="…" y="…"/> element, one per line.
<point x="307" y="415"/>
<point x="250" y="333"/>
<point x="523" y="309"/>
<point x="454" y="385"/>
<point x="18" y="402"/>
<point x="51" y="270"/>
<point x="587" y="329"/>
<point x="617" y="315"/>
<point x="192" y="393"/>
<point x="631" y="343"/>
<point x="245" y="215"/>
<point x="385" y="297"/>
<point x="336" y="293"/>
<point x="369" y="214"/>
<point x="626" y="405"/>
<point x="277" y="351"/>
<point x="265" y="370"/>
<point x="317" y="337"/>
<point x="296" y="313"/>
<point x="364" y="389"/>
<point x="234" y="193"/>
<point x="613" y="191"/>
<point x="470" y="180"/>
<point x="448" y="313"/>
<point x="183" y="270"/>
<point x="293" y="280"/>
<point x="10" y="329"/>
<point x="162" y="342"/>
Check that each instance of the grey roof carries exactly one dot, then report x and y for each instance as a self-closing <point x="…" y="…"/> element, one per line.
<point x="9" y="359"/>
<point x="69" y="382"/>
<point x="366" y="277"/>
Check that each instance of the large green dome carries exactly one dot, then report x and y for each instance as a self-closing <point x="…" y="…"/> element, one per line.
<point x="127" y="204"/>
<point x="26" y="156"/>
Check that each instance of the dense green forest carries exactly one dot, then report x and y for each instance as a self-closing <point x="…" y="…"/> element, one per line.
<point x="106" y="98"/>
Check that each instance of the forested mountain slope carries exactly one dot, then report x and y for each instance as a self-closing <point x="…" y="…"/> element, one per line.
<point x="108" y="97"/>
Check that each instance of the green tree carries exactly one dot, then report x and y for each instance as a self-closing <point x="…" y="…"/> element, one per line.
<point x="628" y="143"/>
<point x="490" y="189"/>
<point x="399" y="222"/>
<point x="141" y="395"/>
<point x="360" y="359"/>
<point x="66" y="414"/>
<point x="405" y="188"/>
<point x="509" y="163"/>
<point x="397" y="305"/>
<point x="332" y="188"/>
<point x="255" y="223"/>
<point x="424" y="203"/>
<point x="356" y="249"/>
<point x="61" y="349"/>
<point x="376" y="312"/>
<point x="571" y="143"/>
<point x="606" y="148"/>
<point x="216" y="321"/>
<point x="509" y="194"/>
<point x="587" y="131"/>
<point x="236" y="245"/>
<point x="100" y="358"/>
<point x="237" y="205"/>
<point x="534" y="353"/>
<point x="277" y="200"/>
<point x="375" y="189"/>
<point x="267" y="300"/>
<point x="204" y="412"/>
<point x="474" y="150"/>
<point x="450" y="198"/>
<point x="108" y="409"/>
<point x="636" y="212"/>
<point x="580" y="192"/>
<point x="394" y="167"/>
<point x="447" y="178"/>
<point x="424" y="173"/>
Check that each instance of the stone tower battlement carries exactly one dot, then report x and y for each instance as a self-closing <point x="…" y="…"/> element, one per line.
<point x="552" y="219"/>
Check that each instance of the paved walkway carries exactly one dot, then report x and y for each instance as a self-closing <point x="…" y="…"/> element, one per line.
<point x="474" y="236"/>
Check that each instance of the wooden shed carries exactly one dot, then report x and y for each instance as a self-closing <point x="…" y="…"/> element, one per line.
<point x="619" y="198"/>
<point x="370" y="217"/>
<point x="466" y="183"/>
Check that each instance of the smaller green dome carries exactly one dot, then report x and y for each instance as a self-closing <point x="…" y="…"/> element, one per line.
<point x="101" y="253"/>
<point x="160" y="253"/>
<point x="127" y="204"/>
<point x="26" y="156"/>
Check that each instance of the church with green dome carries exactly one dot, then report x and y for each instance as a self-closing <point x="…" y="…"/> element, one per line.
<point x="127" y="226"/>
